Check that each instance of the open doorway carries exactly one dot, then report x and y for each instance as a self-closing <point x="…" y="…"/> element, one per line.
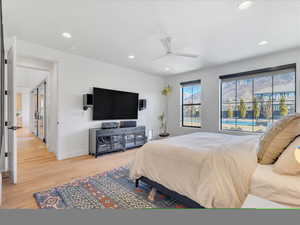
<point x="36" y="112"/>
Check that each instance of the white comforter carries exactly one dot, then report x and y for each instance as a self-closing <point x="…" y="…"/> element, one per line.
<point x="213" y="169"/>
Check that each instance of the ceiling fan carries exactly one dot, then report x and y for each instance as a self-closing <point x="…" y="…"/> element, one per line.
<point x="166" y="42"/>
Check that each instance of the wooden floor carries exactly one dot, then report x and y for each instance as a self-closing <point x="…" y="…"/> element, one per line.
<point x="38" y="170"/>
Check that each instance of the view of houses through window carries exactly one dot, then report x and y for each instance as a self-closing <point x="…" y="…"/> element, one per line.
<point x="252" y="103"/>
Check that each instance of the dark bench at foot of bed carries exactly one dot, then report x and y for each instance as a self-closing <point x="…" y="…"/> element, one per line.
<point x="189" y="203"/>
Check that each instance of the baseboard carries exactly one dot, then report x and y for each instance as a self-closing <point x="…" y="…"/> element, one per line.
<point x="68" y="155"/>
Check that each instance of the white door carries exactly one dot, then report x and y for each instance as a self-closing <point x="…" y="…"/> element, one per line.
<point x="11" y="114"/>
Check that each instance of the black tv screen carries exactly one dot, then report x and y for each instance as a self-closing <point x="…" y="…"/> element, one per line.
<point x="114" y="105"/>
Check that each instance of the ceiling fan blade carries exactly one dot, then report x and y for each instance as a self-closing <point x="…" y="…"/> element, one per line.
<point x="185" y="55"/>
<point x="160" y="57"/>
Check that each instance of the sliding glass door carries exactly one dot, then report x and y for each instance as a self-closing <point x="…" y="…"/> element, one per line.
<point x="38" y="97"/>
<point x="34" y="122"/>
<point x="41" y="111"/>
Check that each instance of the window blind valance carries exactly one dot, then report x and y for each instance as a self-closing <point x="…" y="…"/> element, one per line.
<point x="271" y="71"/>
<point x="190" y="82"/>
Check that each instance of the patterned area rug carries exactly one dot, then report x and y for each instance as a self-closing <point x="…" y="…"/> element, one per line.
<point x="112" y="189"/>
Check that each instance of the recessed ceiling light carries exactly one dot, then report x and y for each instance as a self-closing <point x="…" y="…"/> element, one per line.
<point x="167" y="69"/>
<point x="131" y="57"/>
<point x="66" y="35"/>
<point x="263" y="43"/>
<point x="245" y="5"/>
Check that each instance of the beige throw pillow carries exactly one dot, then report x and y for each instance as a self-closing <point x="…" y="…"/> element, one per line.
<point x="289" y="161"/>
<point x="277" y="138"/>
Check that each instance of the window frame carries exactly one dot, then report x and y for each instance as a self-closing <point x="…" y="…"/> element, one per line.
<point x="249" y="73"/>
<point x="192" y="104"/>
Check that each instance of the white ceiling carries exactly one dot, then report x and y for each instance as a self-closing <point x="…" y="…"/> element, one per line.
<point x="29" y="78"/>
<point x="110" y="30"/>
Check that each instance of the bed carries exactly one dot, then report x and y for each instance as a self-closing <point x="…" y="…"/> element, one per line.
<point x="275" y="187"/>
<point x="216" y="170"/>
<point x="211" y="169"/>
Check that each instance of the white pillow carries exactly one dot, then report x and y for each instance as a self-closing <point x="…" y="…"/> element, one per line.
<point x="289" y="161"/>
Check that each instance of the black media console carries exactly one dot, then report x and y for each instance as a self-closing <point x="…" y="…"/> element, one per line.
<point x="117" y="139"/>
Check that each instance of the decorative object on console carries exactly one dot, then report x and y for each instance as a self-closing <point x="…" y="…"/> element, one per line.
<point x="87" y="101"/>
<point x="109" y="125"/>
<point x="142" y="104"/>
<point x="129" y="123"/>
<point x="163" y="126"/>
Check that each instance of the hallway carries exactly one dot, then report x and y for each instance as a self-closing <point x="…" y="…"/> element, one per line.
<point x="39" y="170"/>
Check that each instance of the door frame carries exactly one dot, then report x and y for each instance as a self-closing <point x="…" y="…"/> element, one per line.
<point x="53" y="88"/>
<point x="10" y="131"/>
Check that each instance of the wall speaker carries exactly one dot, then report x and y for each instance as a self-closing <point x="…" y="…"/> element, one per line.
<point x="142" y="104"/>
<point x="87" y="101"/>
<point x="129" y="123"/>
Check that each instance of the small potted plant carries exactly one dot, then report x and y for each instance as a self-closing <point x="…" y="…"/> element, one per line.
<point x="166" y="91"/>
<point x="162" y="118"/>
<point x="163" y="126"/>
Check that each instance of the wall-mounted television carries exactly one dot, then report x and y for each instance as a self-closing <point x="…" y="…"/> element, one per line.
<point x="114" y="105"/>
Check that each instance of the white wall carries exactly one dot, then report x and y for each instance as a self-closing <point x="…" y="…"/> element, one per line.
<point x="211" y="93"/>
<point x="76" y="76"/>
<point x="52" y="110"/>
<point x="25" y="105"/>
<point x="26" y="109"/>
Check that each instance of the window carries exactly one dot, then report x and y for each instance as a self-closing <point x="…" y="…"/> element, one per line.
<point x="191" y="103"/>
<point x="252" y="101"/>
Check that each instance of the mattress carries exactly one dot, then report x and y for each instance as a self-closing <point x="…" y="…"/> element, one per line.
<point x="278" y="188"/>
